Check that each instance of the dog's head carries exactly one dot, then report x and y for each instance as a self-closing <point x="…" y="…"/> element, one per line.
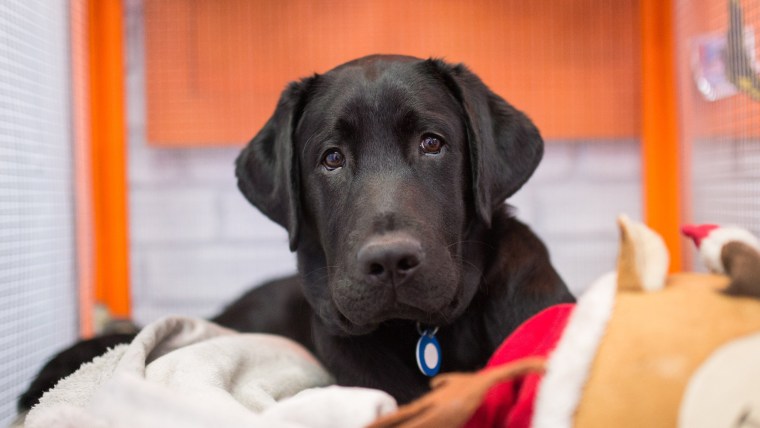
<point x="379" y="169"/>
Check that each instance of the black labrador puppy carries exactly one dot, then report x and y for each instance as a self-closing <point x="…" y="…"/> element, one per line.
<point x="390" y="175"/>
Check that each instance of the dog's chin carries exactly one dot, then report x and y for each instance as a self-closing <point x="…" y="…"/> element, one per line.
<point x="338" y="324"/>
<point x="440" y="317"/>
<point x="349" y="328"/>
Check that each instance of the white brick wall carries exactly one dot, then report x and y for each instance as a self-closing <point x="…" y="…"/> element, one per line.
<point x="196" y="243"/>
<point x="173" y="214"/>
<point x="572" y="202"/>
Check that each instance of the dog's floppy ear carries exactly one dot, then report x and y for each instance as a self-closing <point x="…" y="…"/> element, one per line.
<point x="267" y="168"/>
<point x="505" y="147"/>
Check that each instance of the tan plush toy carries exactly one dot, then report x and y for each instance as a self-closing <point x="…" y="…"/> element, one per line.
<point x="641" y="348"/>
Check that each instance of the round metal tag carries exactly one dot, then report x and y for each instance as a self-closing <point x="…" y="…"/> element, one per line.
<point x="428" y="354"/>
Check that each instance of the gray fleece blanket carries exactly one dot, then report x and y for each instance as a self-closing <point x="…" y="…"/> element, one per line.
<point x="185" y="372"/>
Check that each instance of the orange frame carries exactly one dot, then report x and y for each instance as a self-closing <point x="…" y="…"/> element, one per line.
<point x="661" y="160"/>
<point x="108" y="155"/>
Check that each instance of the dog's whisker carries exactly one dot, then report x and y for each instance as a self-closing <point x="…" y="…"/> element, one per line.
<point x="312" y="272"/>
<point x="443" y="315"/>
<point x="306" y="144"/>
<point x="472" y="265"/>
<point x="470" y="241"/>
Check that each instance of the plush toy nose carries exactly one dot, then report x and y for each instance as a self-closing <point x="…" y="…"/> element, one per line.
<point x="390" y="259"/>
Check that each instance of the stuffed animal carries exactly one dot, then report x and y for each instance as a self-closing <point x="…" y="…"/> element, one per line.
<point x="640" y="348"/>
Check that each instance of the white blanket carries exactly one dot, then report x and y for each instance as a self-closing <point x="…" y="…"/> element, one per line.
<point x="184" y="372"/>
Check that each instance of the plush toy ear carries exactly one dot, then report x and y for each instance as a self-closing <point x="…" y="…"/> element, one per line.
<point x="505" y="147"/>
<point x="267" y="168"/>
<point x="643" y="258"/>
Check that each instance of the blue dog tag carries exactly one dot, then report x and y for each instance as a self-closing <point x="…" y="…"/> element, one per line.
<point x="428" y="353"/>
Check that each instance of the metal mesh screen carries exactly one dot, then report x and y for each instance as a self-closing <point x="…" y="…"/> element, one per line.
<point x="37" y="277"/>
<point x="721" y="114"/>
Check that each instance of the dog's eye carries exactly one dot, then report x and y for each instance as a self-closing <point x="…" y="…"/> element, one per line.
<point x="431" y="144"/>
<point x="333" y="159"/>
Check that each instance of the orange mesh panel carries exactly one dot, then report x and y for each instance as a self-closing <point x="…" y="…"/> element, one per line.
<point x="214" y="69"/>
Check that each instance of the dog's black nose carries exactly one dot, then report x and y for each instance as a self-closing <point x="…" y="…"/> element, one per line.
<point x="390" y="258"/>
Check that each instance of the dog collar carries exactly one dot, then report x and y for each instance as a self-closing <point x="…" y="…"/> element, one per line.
<point x="428" y="352"/>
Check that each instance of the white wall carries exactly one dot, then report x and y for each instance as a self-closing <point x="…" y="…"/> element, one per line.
<point x="573" y="200"/>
